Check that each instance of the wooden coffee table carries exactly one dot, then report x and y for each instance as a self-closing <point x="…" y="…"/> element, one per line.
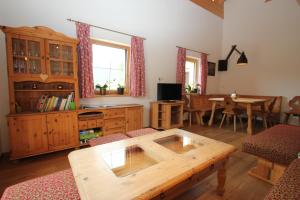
<point x="159" y="165"/>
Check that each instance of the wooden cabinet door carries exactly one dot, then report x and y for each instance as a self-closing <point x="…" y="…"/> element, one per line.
<point x="134" y="118"/>
<point x="62" y="130"/>
<point x="60" y="59"/>
<point x="28" y="135"/>
<point x="26" y="56"/>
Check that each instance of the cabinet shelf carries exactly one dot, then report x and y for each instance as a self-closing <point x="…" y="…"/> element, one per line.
<point x="166" y="115"/>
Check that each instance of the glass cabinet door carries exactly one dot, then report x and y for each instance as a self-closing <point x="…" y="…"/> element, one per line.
<point x="60" y="59"/>
<point x="28" y="56"/>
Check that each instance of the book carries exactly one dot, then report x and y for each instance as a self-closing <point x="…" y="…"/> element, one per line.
<point x="41" y="102"/>
<point x="47" y="104"/>
<point x="63" y="104"/>
<point x="58" y="103"/>
<point x="54" y="103"/>
<point x="69" y="99"/>
<point x="52" y="99"/>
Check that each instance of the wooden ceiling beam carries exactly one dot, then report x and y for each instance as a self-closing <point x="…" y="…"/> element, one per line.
<point x="214" y="6"/>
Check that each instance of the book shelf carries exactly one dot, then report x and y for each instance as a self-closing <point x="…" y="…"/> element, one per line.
<point x="90" y="125"/>
<point x="33" y="96"/>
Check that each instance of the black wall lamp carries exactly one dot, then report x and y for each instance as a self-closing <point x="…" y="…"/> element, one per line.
<point x="241" y="61"/>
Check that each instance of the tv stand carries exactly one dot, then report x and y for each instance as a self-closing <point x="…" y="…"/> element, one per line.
<point x="166" y="114"/>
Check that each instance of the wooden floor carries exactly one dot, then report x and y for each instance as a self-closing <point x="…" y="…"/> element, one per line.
<point x="239" y="185"/>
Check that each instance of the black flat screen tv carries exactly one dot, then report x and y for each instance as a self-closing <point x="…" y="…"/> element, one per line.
<point x="169" y="91"/>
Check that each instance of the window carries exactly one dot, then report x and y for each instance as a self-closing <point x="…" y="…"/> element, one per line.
<point x="191" y="72"/>
<point x="110" y="65"/>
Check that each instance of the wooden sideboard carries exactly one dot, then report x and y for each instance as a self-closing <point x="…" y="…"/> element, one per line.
<point x="39" y="133"/>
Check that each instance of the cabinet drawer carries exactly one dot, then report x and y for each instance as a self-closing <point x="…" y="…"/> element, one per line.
<point x="113" y="113"/>
<point x="82" y="125"/>
<point x="92" y="123"/>
<point x="100" y="123"/>
<point x="114" y="130"/>
<point x="114" y="123"/>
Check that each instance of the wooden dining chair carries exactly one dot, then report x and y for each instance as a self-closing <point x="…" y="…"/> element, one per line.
<point x="231" y="110"/>
<point x="268" y="116"/>
<point x="294" y="108"/>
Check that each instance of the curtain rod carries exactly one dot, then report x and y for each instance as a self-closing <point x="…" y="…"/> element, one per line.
<point x="192" y="50"/>
<point x="107" y="29"/>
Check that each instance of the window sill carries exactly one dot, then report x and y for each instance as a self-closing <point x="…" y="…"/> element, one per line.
<point x="112" y="95"/>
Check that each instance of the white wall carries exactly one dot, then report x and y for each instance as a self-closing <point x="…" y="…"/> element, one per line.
<point x="269" y="33"/>
<point x="165" y="24"/>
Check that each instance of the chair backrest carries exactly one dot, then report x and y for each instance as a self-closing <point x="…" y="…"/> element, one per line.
<point x="229" y="104"/>
<point x="271" y="105"/>
<point x="200" y="101"/>
<point x="294" y="104"/>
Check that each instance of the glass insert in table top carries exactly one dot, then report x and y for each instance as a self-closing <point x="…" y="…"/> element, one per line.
<point x="128" y="160"/>
<point x="177" y="143"/>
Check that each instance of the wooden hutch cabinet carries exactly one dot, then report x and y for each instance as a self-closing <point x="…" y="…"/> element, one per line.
<point x="41" y="63"/>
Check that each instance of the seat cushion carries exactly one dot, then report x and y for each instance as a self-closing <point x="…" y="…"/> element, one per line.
<point x="107" y="139"/>
<point x="59" y="185"/>
<point x="288" y="186"/>
<point x="140" y="132"/>
<point x="279" y="144"/>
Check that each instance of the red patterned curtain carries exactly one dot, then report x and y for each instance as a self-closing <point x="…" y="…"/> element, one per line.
<point x="85" y="68"/>
<point x="203" y="74"/>
<point x="180" y="71"/>
<point x="137" y="67"/>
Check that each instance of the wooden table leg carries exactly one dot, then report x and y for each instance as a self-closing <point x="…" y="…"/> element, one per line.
<point x="221" y="179"/>
<point x="197" y="117"/>
<point x="249" y="113"/>
<point x="190" y="119"/>
<point x="264" y="115"/>
<point x="212" y="113"/>
<point x="201" y="118"/>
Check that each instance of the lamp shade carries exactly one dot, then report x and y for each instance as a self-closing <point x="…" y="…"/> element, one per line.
<point x="242" y="59"/>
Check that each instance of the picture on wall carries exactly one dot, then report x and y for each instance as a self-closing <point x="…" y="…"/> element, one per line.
<point x="211" y="69"/>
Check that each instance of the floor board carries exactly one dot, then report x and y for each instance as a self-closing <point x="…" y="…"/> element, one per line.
<point x="239" y="185"/>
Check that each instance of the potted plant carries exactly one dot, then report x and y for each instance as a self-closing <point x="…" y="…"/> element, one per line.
<point x="120" y="89"/>
<point x="97" y="88"/>
<point x="103" y="89"/>
<point x="188" y="89"/>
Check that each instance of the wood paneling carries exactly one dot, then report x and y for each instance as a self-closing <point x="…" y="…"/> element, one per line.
<point x="214" y="6"/>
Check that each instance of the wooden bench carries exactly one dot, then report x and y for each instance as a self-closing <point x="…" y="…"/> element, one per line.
<point x="200" y="105"/>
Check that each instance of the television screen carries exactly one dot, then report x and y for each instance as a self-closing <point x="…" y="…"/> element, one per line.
<point x="168" y="91"/>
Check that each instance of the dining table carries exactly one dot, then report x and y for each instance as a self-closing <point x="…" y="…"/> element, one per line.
<point x="249" y="103"/>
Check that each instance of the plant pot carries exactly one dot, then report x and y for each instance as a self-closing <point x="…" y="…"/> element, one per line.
<point x="102" y="91"/>
<point x="120" y="91"/>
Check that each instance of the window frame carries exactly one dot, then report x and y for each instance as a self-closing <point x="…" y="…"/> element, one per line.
<point x="127" y="65"/>
<point x="196" y="68"/>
